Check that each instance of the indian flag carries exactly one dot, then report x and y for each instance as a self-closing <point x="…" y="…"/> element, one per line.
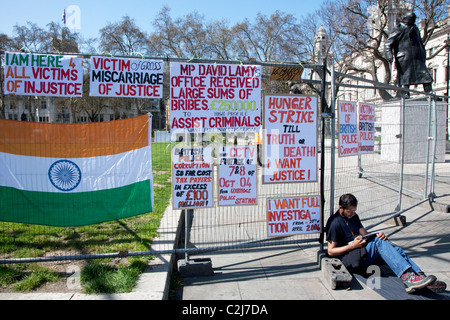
<point x="75" y="174"/>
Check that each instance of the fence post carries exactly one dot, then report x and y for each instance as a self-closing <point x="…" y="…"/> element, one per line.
<point x="194" y="267"/>
<point x="333" y="140"/>
<point x="2" y="95"/>
<point x="434" y="137"/>
<point x="322" y="154"/>
<point x="425" y="195"/>
<point x="402" y="153"/>
<point x="186" y="233"/>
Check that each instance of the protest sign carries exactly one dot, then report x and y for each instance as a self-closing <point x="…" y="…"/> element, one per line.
<point x="366" y="116"/>
<point x="291" y="216"/>
<point x="126" y="78"/>
<point x="286" y="73"/>
<point x="348" y="128"/>
<point x="43" y="75"/>
<point x="290" y="138"/>
<point x="215" y="97"/>
<point x="237" y="175"/>
<point x="192" y="177"/>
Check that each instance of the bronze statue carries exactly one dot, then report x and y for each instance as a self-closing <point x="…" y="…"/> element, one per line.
<point x="406" y="45"/>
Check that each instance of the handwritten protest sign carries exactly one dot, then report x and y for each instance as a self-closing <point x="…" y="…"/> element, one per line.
<point x="126" y="78"/>
<point x="237" y="175"/>
<point x="192" y="177"/>
<point x="348" y="128"/>
<point x="215" y="97"/>
<point x="286" y="74"/>
<point x="290" y="138"/>
<point x="43" y="75"/>
<point x="291" y="216"/>
<point x="366" y="116"/>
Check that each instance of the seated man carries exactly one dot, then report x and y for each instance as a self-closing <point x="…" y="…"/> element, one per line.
<point x="344" y="236"/>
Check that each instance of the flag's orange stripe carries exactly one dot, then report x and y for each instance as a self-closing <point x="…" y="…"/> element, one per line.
<point x="73" y="140"/>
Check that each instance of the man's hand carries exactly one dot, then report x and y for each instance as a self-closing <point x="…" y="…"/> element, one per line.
<point x="358" y="242"/>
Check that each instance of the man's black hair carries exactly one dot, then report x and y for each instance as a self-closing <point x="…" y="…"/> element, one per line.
<point x="347" y="200"/>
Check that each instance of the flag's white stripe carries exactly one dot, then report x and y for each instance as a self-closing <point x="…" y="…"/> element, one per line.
<point x="97" y="173"/>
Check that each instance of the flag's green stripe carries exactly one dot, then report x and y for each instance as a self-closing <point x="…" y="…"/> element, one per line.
<point x="74" y="209"/>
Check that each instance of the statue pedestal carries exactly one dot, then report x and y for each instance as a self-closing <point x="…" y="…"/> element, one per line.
<point x="416" y="133"/>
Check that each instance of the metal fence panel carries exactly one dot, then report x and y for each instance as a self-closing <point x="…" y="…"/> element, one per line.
<point x="410" y="143"/>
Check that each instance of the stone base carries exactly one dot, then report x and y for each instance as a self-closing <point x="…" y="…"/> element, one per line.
<point x="336" y="273"/>
<point x="397" y="221"/>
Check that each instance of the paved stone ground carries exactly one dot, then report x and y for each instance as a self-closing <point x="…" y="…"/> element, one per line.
<point x="292" y="272"/>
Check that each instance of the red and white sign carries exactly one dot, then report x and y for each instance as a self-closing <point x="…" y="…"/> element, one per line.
<point x="192" y="177"/>
<point x="126" y="78"/>
<point x="292" y="216"/>
<point x="215" y="97"/>
<point x="366" y="116"/>
<point x="31" y="74"/>
<point x="348" y="128"/>
<point x="237" y="175"/>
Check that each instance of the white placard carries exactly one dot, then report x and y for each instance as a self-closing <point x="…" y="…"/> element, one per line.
<point x="126" y="78"/>
<point x="290" y="138"/>
<point x="192" y="177"/>
<point x="43" y="75"/>
<point x="215" y="97"/>
<point x="366" y="117"/>
<point x="348" y="128"/>
<point x="291" y="216"/>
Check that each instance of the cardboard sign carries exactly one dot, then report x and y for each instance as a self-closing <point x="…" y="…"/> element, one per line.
<point x="348" y="128"/>
<point x="215" y="98"/>
<point x="286" y="74"/>
<point x="291" y="216"/>
<point x="366" y="133"/>
<point x="126" y="78"/>
<point x="192" y="177"/>
<point x="31" y="74"/>
<point x="290" y="138"/>
<point x="237" y="175"/>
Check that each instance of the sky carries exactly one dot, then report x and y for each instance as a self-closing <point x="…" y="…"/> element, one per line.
<point x="95" y="14"/>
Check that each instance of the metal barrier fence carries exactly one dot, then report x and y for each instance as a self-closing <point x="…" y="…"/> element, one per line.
<point x="386" y="182"/>
<point x="155" y="232"/>
<point x="410" y="150"/>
